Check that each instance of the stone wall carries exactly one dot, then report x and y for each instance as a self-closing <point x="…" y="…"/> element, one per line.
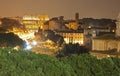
<point x="103" y="45"/>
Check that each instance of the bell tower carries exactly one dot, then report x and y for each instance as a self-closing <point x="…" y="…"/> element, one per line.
<point x="118" y="26"/>
<point x="76" y="16"/>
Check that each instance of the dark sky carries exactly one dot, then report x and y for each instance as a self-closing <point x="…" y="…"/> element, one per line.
<point x="67" y="8"/>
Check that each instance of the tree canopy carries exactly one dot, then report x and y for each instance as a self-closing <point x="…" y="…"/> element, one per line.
<point x="11" y="40"/>
<point x="69" y="49"/>
<point x="49" y="34"/>
<point x="24" y="63"/>
<point x="27" y="63"/>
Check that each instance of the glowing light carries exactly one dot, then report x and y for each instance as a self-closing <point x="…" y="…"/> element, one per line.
<point x="67" y="40"/>
<point x="28" y="47"/>
<point x="9" y="52"/>
<point x="16" y="48"/>
<point x="36" y="17"/>
<point x="108" y="55"/>
<point x="30" y="18"/>
<point x="34" y="43"/>
<point x="26" y="36"/>
<point x="0" y="22"/>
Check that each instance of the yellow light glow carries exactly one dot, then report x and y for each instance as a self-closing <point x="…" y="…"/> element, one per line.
<point x="67" y="40"/>
<point x="0" y="22"/>
<point x="30" y="18"/>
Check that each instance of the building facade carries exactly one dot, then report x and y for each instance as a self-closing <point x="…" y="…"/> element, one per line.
<point x="104" y="45"/>
<point x="108" y="42"/>
<point x="72" y="36"/>
<point x="72" y="25"/>
<point x="33" y="22"/>
<point x="118" y="27"/>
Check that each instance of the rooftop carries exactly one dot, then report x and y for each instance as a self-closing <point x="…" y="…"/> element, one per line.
<point x="70" y="31"/>
<point x="107" y="37"/>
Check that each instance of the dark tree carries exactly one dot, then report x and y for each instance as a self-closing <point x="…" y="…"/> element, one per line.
<point x="58" y="39"/>
<point x="49" y="34"/>
<point x="2" y="30"/>
<point x="8" y="24"/>
<point x="11" y="40"/>
<point x="69" y="49"/>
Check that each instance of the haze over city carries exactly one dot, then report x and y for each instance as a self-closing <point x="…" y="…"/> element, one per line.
<point x="59" y="37"/>
<point x="67" y="8"/>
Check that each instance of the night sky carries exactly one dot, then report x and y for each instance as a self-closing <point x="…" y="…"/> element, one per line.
<point x="67" y="8"/>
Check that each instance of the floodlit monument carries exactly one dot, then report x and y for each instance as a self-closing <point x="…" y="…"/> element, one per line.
<point x="33" y="22"/>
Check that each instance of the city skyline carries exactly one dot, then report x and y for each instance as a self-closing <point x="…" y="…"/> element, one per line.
<point x="85" y="8"/>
